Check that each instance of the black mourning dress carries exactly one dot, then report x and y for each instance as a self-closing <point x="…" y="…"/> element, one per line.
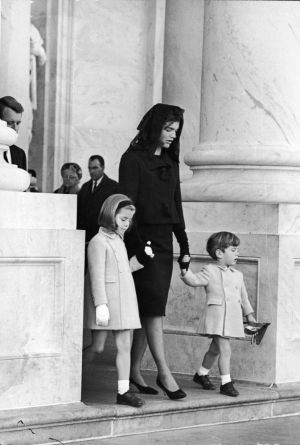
<point x="152" y="182"/>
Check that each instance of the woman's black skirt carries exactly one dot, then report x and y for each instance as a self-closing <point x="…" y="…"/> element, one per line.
<point x="152" y="283"/>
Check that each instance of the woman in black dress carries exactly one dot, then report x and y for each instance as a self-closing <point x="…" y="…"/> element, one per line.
<point x="149" y="175"/>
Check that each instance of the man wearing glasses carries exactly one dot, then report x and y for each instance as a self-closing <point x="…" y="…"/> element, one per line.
<point x="11" y="112"/>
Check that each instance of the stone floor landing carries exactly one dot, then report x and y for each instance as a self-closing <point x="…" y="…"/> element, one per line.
<point x="98" y="416"/>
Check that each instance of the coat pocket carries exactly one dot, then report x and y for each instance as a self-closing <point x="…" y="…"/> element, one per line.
<point x="216" y="301"/>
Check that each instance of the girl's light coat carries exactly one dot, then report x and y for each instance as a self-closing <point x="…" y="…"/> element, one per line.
<point x="109" y="281"/>
<point x="226" y="300"/>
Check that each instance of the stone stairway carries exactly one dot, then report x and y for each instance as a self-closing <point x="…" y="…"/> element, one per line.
<point x="99" y="417"/>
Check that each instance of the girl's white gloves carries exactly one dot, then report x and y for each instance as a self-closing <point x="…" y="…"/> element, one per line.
<point x="102" y="315"/>
<point x="148" y="249"/>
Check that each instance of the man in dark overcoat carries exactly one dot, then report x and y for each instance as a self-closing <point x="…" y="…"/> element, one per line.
<point x="92" y="195"/>
<point x="11" y="112"/>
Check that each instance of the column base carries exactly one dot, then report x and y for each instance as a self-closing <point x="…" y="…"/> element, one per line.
<point x="243" y="174"/>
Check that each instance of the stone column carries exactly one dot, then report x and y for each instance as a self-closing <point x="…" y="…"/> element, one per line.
<point x="155" y="12"/>
<point x="246" y="179"/>
<point x="14" y="52"/>
<point x="183" y="68"/>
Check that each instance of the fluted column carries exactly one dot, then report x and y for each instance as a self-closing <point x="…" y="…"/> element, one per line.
<point x="250" y="106"/>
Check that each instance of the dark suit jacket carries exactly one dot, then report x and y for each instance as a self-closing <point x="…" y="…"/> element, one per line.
<point x="89" y="204"/>
<point x="18" y="157"/>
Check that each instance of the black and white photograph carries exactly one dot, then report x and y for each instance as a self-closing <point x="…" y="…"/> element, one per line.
<point x="158" y="300"/>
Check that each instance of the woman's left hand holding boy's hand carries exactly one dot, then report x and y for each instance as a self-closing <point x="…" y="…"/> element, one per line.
<point x="184" y="263"/>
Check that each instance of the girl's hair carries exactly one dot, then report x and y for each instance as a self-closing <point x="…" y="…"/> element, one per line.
<point x="221" y="240"/>
<point x="111" y="206"/>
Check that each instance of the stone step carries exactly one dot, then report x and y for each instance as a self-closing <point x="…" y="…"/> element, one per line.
<point x="98" y="416"/>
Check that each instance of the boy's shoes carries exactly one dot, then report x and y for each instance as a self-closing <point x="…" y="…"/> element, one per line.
<point x="228" y="390"/>
<point x="204" y="381"/>
<point x="129" y="399"/>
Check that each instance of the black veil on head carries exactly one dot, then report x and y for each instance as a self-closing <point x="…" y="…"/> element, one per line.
<point x="152" y="124"/>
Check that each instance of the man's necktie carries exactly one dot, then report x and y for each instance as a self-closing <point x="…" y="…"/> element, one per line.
<point x="94" y="186"/>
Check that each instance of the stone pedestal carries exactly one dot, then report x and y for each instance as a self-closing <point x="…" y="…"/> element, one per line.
<point x="41" y="281"/>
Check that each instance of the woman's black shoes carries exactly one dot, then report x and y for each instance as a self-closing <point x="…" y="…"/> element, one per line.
<point x="129" y="399"/>
<point x="173" y="395"/>
<point x="144" y="389"/>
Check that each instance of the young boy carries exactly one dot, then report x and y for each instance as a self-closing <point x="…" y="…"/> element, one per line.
<point x="226" y="303"/>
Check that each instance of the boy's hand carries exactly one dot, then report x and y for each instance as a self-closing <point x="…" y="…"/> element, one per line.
<point x="251" y="318"/>
<point x="148" y="249"/>
<point x="102" y="315"/>
<point x="184" y="262"/>
<point x="205" y="274"/>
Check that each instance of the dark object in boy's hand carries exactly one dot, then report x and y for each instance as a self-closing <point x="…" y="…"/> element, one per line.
<point x="256" y="330"/>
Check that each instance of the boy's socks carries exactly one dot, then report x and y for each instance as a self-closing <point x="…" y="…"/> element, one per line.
<point x="203" y="371"/>
<point x="225" y="379"/>
<point x="123" y="386"/>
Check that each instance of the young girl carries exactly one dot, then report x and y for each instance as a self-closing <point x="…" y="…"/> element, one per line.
<point x="110" y="298"/>
<point x="226" y="303"/>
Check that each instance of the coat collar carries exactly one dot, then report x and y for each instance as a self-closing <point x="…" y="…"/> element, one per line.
<point x="103" y="180"/>
<point x="224" y="268"/>
<point x="160" y="161"/>
<point x="108" y="233"/>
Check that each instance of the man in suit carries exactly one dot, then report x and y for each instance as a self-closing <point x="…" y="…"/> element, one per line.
<point x="92" y="195"/>
<point x="11" y="112"/>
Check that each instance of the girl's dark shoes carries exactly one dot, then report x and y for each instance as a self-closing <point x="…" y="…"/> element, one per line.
<point x="204" y="381"/>
<point x="129" y="399"/>
<point x="144" y="389"/>
<point x="173" y="395"/>
<point x="228" y="390"/>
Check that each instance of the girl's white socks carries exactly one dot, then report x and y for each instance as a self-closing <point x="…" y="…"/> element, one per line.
<point x="123" y="386"/>
<point x="225" y="379"/>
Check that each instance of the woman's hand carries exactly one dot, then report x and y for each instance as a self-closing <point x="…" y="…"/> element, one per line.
<point x="144" y="253"/>
<point x="148" y="249"/>
<point x="184" y="262"/>
<point x="102" y="315"/>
